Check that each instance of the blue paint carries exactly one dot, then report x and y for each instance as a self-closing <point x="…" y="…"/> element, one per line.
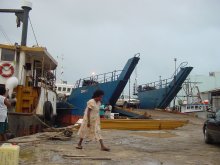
<point x="160" y="94"/>
<point x="111" y="83"/>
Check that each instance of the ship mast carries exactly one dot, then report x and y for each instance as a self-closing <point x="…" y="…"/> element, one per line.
<point x="22" y="16"/>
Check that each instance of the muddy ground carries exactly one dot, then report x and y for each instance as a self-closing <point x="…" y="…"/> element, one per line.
<point x="182" y="146"/>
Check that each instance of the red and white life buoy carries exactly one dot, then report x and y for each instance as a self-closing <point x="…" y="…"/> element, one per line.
<point x="8" y="68"/>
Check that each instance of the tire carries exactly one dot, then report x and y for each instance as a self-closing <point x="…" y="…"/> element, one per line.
<point x="48" y="111"/>
<point x="207" y="137"/>
<point x="125" y="105"/>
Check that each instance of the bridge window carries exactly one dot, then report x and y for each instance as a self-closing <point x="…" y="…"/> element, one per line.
<point x="68" y="89"/>
<point x="64" y="89"/>
<point x="59" y="88"/>
<point x="7" y="55"/>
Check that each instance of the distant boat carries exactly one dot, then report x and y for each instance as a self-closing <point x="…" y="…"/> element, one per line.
<point x="198" y="109"/>
<point x="64" y="89"/>
<point x="190" y="100"/>
<point x="112" y="83"/>
<point x="159" y="94"/>
<point x="188" y="108"/>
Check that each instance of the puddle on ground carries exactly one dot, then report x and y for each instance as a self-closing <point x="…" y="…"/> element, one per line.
<point x="56" y="158"/>
<point x="155" y="135"/>
<point x="38" y="155"/>
<point x="27" y="154"/>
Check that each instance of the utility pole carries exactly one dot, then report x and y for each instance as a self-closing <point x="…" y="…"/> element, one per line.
<point x="129" y="92"/>
<point x="135" y="82"/>
<point x="174" y="100"/>
<point x="160" y="81"/>
<point x="175" y="65"/>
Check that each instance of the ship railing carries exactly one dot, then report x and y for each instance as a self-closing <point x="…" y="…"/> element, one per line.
<point x="97" y="79"/>
<point x="182" y="65"/>
<point x="161" y="83"/>
<point x="46" y="80"/>
<point x="154" y="85"/>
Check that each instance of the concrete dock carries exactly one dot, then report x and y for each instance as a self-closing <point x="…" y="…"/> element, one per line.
<point x="181" y="146"/>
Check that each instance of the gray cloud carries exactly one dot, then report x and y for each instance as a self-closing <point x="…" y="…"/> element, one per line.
<point x="100" y="35"/>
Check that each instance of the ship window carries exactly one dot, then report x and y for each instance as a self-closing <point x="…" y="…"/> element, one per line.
<point x="59" y="88"/>
<point x="64" y="89"/>
<point x="68" y="89"/>
<point x="7" y="55"/>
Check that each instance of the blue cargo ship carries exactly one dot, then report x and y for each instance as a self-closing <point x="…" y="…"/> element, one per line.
<point x="159" y="94"/>
<point x="112" y="83"/>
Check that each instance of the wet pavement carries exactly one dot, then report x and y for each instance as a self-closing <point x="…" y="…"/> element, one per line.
<point x="182" y="146"/>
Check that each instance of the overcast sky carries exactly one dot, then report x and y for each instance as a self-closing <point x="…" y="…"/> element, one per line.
<point x="100" y="35"/>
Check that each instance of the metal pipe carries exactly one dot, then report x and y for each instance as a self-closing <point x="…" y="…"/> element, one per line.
<point x="25" y="25"/>
<point x="11" y="11"/>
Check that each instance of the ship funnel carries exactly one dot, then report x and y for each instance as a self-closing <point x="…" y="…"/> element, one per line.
<point x="11" y="83"/>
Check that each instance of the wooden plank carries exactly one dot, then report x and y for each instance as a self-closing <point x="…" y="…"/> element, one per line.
<point x="74" y="155"/>
<point x="84" y="157"/>
<point x="137" y="124"/>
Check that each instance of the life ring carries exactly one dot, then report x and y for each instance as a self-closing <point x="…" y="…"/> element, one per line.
<point x="9" y="68"/>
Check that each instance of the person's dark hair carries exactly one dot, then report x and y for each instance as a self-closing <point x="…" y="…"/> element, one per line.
<point x="98" y="93"/>
<point x="2" y="90"/>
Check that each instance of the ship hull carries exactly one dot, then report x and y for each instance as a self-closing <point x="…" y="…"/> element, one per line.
<point x="85" y="94"/>
<point x="160" y="94"/>
<point x="151" y="99"/>
<point x="111" y="83"/>
<point x="22" y="124"/>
